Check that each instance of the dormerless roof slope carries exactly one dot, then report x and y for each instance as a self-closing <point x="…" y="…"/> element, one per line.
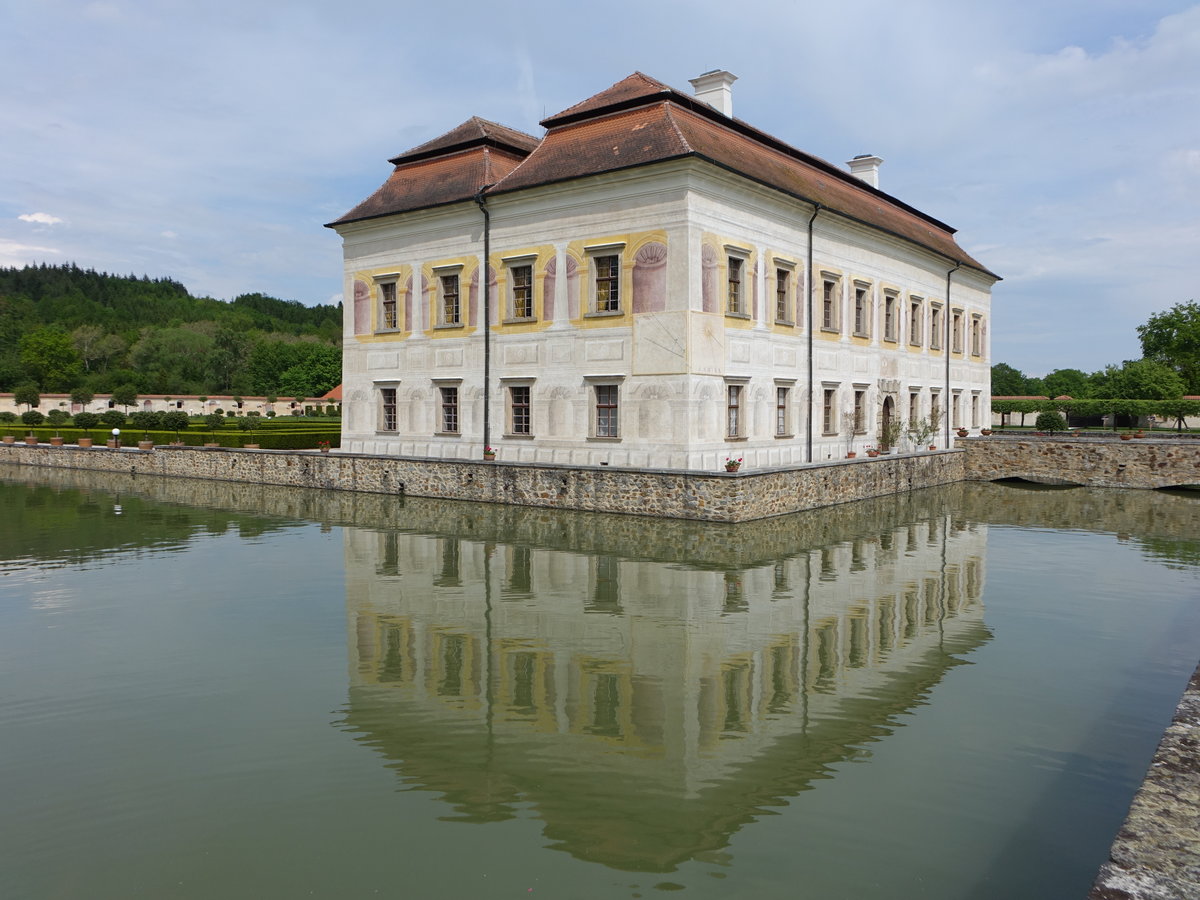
<point x="637" y="122"/>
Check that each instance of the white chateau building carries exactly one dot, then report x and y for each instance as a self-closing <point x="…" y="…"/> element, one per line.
<point x="666" y="287"/>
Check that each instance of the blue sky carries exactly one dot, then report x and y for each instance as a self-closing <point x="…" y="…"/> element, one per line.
<point x="210" y="141"/>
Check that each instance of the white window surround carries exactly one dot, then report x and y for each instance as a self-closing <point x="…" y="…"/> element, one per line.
<point x="440" y="399"/>
<point x="594" y="252"/>
<point x="440" y="273"/>
<point x="512" y="263"/>
<point x="381" y="323"/>
<point x="507" y="384"/>
<point x="830" y="308"/>
<point x="387" y="394"/>
<point x="861" y="317"/>
<point x="736" y="409"/>
<point x="737" y="261"/>
<point x="788" y="266"/>
<point x="591" y="383"/>
<point x="783" y="414"/>
<point x="891" y="324"/>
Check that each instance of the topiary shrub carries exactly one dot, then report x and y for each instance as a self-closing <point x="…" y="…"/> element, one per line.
<point x="113" y="418"/>
<point x="87" y="421"/>
<point x="8" y="417"/>
<point x="57" y="417"/>
<point x="1050" y="421"/>
<point x="32" y="417"/>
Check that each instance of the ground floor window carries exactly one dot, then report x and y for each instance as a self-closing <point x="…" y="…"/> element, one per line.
<point x="518" y="400"/>
<point x="606" y="411"/>
<point x="387" y="409"/>
<point x="449" y="410"/>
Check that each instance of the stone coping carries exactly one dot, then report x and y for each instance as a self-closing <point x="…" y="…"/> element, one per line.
<point x="1156" y="854"/>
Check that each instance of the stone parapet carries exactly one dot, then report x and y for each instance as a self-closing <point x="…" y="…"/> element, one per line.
<point x="714" y="497"/>
<point x="1138" y="463"/>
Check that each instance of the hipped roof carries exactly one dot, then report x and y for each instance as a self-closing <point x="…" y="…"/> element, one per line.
<point x="636" y="122"/>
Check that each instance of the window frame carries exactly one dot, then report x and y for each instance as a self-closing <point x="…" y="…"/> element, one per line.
<point x="441" y="274"/>
<point x="829" y="416"/>
<point x="445" y="410"/>
<point x="612" y="278"/>
<point x="831" y="303"/>
<point x="739" y="292"/>
<point x="597" y="403"/>
<point x="956" y="331"/>
<point x="935" y="326"/>
<point x="512" y="406"/>
<point x="385" y="285"/>
<point x="384" y="390"/>
<point x="785" y="299"/>
<point x="783" y="407"/>
<point x="977" y="334"/>
<point x="891" y="323"/>
<point x="860" y="409"/>
<point x="916" y="316"/>
<point x="862" y="309"/>
<point x="736" y="413"/>
<point x="512" y="266"/>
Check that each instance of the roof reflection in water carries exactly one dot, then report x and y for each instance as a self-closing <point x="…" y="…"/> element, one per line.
<point x="646" y="705"/>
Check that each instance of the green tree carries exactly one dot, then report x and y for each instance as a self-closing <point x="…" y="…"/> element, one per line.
<point x="32" y="417"/>
<point x="49" y="356"/>
<point x="1007" y="381"/>
<point x="82" y="395"/>
<point x="1140" y="379"/>
<point x="87" y="421"/>
<point x="125" y="395"/>
<point x="1070" y="382"/>
<point x="1173" y="339"/>
<point x="27" y="394"/>
<point x="1050" y="421"/>
<point x="113" y="418"/>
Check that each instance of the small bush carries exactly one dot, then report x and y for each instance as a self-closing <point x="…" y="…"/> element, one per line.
<point x="8" y="417"/>
<point x="1050" y="421"/>
<point x="32" y="417"/>
<point x="113" y="418"/>
<point x="57" y="417"/>
<point x="87" y="421"/>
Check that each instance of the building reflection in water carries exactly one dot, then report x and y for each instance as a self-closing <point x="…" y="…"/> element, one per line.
<point x="643" y="704"/>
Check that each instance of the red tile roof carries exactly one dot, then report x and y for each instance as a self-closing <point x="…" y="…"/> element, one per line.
<point x="639" y="121"/>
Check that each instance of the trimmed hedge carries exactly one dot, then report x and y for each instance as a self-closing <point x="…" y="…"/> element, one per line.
<point x="299" y="440"/>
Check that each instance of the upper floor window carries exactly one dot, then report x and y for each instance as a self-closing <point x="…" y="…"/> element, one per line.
<point x="783" y="396"/>
<point x="607" y="283"/>
<point x="935" y="327"/>
<point x="860" y="411"/>
<point x="389" y="316"/>
<point x="976" y="336"/>
<point x="916" y="322"/>
<point x="830" y="303"/>
<point x="956" y="331"/>
<point x="734" y="297"/>
<point x="889" y="317"/>
<point x="521" y="291"/>
<point x="862" y="310"/>
<point x="449" y="297"/>
<point x="783" y="296"/>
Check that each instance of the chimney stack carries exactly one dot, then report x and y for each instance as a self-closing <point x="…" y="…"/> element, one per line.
<point x="714" y="88"/>
<point x="866" y="167"/>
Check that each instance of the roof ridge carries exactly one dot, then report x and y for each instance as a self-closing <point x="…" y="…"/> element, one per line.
<point x="667" y="109"/>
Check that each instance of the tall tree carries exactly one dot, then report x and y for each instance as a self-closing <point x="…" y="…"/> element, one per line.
<point x="1007" y="381"/>
<point x="49" y="356"/>
<point x="1140" y="379"/>
<point x="1072" y="382"/>
<point x="1173" y="338"/>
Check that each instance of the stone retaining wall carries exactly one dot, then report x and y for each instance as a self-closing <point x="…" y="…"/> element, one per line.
<point x="1098" y="462"/>
<point x="714" y="497"/>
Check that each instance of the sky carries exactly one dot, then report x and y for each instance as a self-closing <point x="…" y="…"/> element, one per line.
<point x="210" y="141"/>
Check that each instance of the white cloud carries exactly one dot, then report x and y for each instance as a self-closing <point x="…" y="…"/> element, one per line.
<point x="40" y="218"/>
<point x="170" y="235"/>
<point x="13" y="253"/>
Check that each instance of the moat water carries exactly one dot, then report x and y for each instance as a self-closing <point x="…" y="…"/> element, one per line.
<point x="222" y="690"/>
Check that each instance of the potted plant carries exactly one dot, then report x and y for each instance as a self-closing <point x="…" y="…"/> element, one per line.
<point x="985" y="431"/>
<point x="323" y="446"/>
<point x="57" y="417"/>
<point x="732" y="465"/>
<point x="850" y="429"/>
<point x="32" y="418"/>
<point x="962" y="432"/>
<point x="86" y="421"/>
<point x="893" y="431"/>
<point x="213" y="421"/>
<point x="489" y="453"/>
<point x="176" y="420"/>
<point x="872" y="452"/>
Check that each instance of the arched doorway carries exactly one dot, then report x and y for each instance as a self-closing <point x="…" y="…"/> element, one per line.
<point x="889" y="410"/>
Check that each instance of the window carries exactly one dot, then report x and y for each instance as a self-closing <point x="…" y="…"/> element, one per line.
<point x="916" y="322"/>
<point x="889" y="317"/>
<point x="955" y="417"/>
<point x="387" y="409"/>
<point x="521" y="290"/>
<point x="733" y="410"/>
<point x="956" y="331"/>
<point x="389" y="318"/>
<point x="450" y="303"/>
<point x="860" y="409"/>
<point x="829" y="304"/>
<point x="606" y="411"/>
<point x="914" y="407"/>
<point x="974" y="410"/>
<point x="829" y="411"/>
<point x="783" y="296"/>
<point x="862" y="310"/>
<point x="976" y="336"/>
<point x="608" y="283"/>
<point x="935" y="408"/>
<point x="935" y="328"/>
<point x="518" y="401"/>
<point x="449" y="410"/>
<point x="782" y="398"/>
<point x="733" y="305"/>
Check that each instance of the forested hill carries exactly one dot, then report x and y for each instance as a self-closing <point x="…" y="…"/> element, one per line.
<point x="69" y="296"/>
<point x="63" y="327"/>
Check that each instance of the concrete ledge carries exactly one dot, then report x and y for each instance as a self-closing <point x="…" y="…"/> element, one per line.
<point x="706" y="496"/>
<point x="1156" y="855"/>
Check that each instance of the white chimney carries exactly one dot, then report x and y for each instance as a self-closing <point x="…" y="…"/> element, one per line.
<point x="866" y="167"/>
<point x="715" y="89"/>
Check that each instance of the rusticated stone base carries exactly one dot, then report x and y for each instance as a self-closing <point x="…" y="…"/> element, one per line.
<point x="714" y="497"/>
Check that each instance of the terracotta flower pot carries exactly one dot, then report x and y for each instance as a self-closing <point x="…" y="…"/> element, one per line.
<point x="851" y="455"/>
<point x="85" y="442"/>
<point x="250" y="446"/>
<point x="986" y="431"/>
<point x="212" y="444"/>
<point x="145" y="445"/>
<point x="8" y="439"/>
<point x="962" y="432"/>
<point x="1125" y="437"/>
<point x="111" y="443"/>
<point x="56" y="441"/>
<point x="31" y="440"/>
